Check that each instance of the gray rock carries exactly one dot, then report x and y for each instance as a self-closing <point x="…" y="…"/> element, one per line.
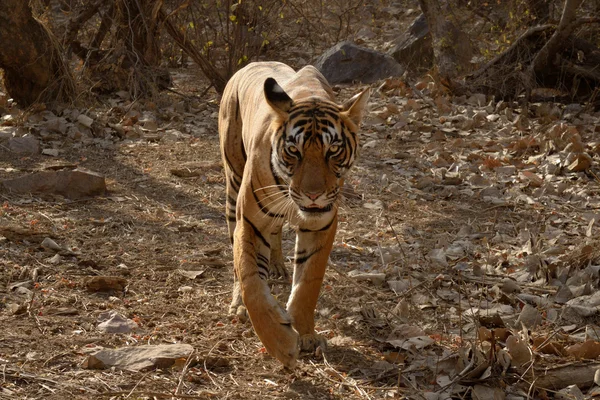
<point x="413" y="49"/>
<point x="7" y="132"/>
<point x="347" y="62"/>
<point x="138" y="358"/>
<point x="73" y="184"/>
<point x="113" y="322"/>
<point x="25" y="144"/>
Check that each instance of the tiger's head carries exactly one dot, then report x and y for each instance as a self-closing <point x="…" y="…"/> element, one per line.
<point x="314" y="145"/>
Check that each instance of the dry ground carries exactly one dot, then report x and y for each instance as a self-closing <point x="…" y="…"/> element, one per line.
<point x="153" y="223"/>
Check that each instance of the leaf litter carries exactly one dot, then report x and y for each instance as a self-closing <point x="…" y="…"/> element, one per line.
<point x="466" y="263"/>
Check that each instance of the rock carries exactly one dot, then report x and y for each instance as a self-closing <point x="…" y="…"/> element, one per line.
<point x="413" y="48"/>
<point x="571" y="392"/>
<point x="113" y="322"/>
<point x="73" y="184"/>
<point x="50" y="152"/>
<point x="7" y="132"/>
<point x="347" y="62"/>
<point x="51" y="244"/>
<point x="23" y="145"/>
<point x="16" y="309"/>
<point x="105" y="283"/>
<point x="510" y="286"/>
<point x="138" y="358"/>
<point x="85" y="120"/>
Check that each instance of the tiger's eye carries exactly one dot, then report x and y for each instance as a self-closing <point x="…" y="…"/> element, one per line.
<point x="334" y="148"/>
<point x="292" y="149"/>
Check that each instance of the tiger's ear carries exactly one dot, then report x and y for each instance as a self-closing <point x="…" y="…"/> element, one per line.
<point x="356" y="107"/>
<point x="277" y="98"/>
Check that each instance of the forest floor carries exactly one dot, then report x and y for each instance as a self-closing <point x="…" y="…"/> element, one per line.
<point x="470" y="224"/>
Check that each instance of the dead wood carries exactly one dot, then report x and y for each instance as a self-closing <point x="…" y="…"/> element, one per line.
<point x="544" y="56"/>
<point x="31" y="58"/>
<point x="132" y="63"/>
<point x="217" y="79"/>
<point x="581" y="375"/>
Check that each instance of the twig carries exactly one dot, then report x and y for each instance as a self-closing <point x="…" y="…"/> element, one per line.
<point x="462" y="373"/>
<point x="204" y="394"/>
<point x="184" y="371"/>
<point x="137" y="384"/>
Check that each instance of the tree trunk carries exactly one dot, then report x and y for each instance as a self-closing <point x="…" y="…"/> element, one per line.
<point x="451" y="47"/>
<point x="546" y="56"/>
<point x="33" y="67"/>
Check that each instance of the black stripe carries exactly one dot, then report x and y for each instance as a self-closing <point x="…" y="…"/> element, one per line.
<point x="263" y="270"/>
<point x="257" y="233"/>
<point x="231" y="218"/>
<point x="265" y="210"/>
<point x="244" y="152"/>
<point x="304" y="259"/>
<point x="319" y="230"/>
<point x="278" y="180"/>
<point x="234" y="182"/>
<point x="263" y="259"/>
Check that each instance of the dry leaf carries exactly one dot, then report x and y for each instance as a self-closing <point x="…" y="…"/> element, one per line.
<point x="519" y="351"/>
<point x="588" y="350"/>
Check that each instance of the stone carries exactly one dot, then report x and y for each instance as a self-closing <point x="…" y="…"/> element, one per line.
<point x="413" y="49"/>
<point x="139" y="358"/>
<point x="73" y="184"/>
<point x="24" y="145"/>
<point x="106" y="284"/>
<point x="113" y="322"/>
<point x="346" y="63"/>
<point x="85" y="120"/>
<point x="7" y="132"/>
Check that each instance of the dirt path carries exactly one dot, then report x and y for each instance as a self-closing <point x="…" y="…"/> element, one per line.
<point x="420" y="248"/>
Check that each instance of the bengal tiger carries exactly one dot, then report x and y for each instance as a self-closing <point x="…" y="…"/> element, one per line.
<point x="286" y="148"/>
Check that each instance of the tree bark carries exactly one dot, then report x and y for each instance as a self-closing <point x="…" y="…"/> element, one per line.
<point x="34" y="70"/>
<point x="545" y="57"/>
<point x="451" y="47"/>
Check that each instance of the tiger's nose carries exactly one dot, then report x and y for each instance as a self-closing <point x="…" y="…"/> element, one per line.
<point x="314" y="195"/>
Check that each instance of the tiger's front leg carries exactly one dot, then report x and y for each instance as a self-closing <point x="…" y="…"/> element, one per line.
<point x="312" y="254"/>
<point x="251" y="250"/>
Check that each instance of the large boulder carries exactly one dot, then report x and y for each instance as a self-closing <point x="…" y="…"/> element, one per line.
<point x="413" y="49"/>
<point x="346" y="62"/>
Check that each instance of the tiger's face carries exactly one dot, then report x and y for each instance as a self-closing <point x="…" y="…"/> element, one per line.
<point x="313" y="150"/>
<point x="314" y="144"/>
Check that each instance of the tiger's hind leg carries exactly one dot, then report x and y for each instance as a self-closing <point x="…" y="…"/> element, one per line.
<point x="237" y="305"/>
<point x="312" y="254"/>
<point x="234" y="160"/>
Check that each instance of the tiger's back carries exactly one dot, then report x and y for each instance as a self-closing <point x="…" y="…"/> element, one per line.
<point x="286" y="147"/>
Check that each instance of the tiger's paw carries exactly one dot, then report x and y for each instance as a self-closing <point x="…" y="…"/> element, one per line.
<point x="274" y="329"/>
<point x="238" y="311"/>
<point x="312" y="342"/>
<point x="277" y="269"/>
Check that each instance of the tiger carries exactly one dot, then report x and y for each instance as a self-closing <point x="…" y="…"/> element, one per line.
<point x="286" y="147"/>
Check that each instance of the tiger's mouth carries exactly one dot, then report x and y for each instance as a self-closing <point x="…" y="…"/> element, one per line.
<point x="314" y="209"/>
